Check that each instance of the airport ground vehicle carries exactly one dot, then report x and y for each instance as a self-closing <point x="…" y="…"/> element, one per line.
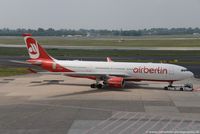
<point x="185" y="87"/>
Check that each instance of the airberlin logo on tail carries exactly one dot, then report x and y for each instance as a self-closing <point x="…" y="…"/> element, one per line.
<point x="146" y="70"/>
<point x="33" y="48"/>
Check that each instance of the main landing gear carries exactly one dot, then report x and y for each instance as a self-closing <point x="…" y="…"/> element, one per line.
<point x="97" y="84"/>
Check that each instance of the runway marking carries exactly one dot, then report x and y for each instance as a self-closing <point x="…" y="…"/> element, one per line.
<point x="149" y="120"/>
<point x="108" y="125"/>
<point x="165" y="126"/>
<point x="189" y="125"/>
<point x="149" y="129"/>
<point x="102" y="122"/>
<point x="177" y="125"/>
<point x="112" y="130"/>
<point x="125" y="129"/>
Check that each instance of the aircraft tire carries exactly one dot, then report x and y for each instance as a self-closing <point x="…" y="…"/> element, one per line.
<point x="99" y="86"/>
<point x="165" y="88"/>
<point x="93" y="86"/>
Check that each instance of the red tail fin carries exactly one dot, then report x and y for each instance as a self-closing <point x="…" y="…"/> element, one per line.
<point x="34" y="49"/>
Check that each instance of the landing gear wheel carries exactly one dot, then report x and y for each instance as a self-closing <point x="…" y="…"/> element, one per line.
<point x="93" y="85"/>
<point x="99" y="86"/>
<point x="165" y="88"/>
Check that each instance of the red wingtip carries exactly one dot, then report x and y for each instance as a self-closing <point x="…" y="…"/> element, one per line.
<point x="26" y="34"/>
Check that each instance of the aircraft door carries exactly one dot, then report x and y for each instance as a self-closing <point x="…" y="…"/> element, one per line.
<point x="170" y="73"/>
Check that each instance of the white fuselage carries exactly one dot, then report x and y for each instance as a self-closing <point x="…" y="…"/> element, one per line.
<point x="113" y="74"/>
<point x="134" y="71"/>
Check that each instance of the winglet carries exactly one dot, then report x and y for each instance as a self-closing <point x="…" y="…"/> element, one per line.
<point x="109" y="59"/>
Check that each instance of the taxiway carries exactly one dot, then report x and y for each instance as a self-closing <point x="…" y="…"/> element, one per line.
<point x="58" y="104"/>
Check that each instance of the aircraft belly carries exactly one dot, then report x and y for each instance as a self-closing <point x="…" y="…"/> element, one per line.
<point x="155" y="77"/>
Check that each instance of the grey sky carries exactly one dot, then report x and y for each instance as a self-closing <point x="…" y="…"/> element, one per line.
<point x="99" y="14"/>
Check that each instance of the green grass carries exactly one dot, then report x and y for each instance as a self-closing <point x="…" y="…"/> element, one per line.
<point x="15" y="41"/>
<point x="143" y="42"/>
<point x="100" y="53"/>
<point x="13" y="51"/>
<point x="125" y="43"/>
<point x="12" y="71"/>
<point x="165" y="61"/>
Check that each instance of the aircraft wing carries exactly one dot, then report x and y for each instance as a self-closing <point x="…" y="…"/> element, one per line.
<point x="97" y="74"/>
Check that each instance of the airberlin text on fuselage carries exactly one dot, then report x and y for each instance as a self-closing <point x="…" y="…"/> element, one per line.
<point x="146" y="70"/>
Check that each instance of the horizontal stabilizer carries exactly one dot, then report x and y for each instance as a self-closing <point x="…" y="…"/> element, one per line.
<point x="20" y="62"/>
<point x="26" y="62"/>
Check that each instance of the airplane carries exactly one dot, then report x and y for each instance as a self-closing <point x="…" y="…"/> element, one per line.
<point x="105" y="74"/>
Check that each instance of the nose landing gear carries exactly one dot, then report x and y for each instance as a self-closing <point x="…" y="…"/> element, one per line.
<point x="169" y="86"/>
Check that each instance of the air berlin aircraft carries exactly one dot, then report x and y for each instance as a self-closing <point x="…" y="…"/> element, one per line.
<point x="106" y="74"/>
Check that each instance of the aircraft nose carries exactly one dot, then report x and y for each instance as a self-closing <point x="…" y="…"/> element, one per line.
<point x="191" y="74"/>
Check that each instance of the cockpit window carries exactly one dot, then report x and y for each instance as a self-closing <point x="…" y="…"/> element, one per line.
<point x="184" y="70"/>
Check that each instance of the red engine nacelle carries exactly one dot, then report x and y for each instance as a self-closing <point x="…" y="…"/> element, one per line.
<point x="116" y="82"/>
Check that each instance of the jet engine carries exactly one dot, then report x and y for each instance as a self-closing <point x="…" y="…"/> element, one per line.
<point x="116" y="82"/>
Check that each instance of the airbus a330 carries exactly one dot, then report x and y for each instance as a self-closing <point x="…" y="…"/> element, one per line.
<point x="105" y="74"/>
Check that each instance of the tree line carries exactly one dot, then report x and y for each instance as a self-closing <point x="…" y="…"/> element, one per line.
<point x="93" y="32"/>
